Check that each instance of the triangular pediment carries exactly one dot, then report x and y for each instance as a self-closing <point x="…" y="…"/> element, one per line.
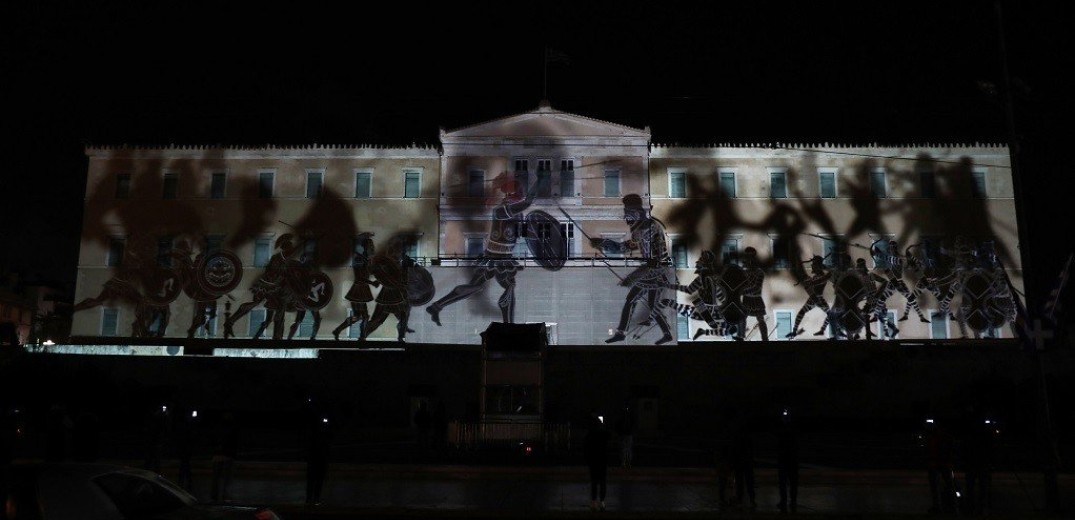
<point x="545" y="122"/>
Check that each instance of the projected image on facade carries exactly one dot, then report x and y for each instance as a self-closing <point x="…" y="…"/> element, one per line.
<point x="584" y="225"/>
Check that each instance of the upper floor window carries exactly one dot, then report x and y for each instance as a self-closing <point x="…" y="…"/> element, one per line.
<point x="363" y="184"/>
<point x="978" y="188"/>
<point x="612" y="183"/>
<point x="834" y="249"/>
<point x="679" y="253"/>
<point x="544" y="178"/>
<point x="727" y="183"/>
<point x="164" y="251"/>
<point x="315" y="181"/>
<point x="927" y="181"/>
<point x="476" y="183"/>
<point x="115" y="251"/>
<point x="109" y="321"/>
<point x="567" y="178"/>
<point x="170" y="189"/>
<point x="677" y="184"/>
<point x="266" y="181"/>
<point x="729" y="251"/>
<point x="878" y="183"/>
<point x="778" y="184"/>
<point x="412" y="184"/>
<point x="781" y="252"/>
<point x="218" y="185"/>
<point x="567" y="230"/>
<point x="262" y="251"/>
<point x="123" y="185"/>
<point x="827" y="184"/>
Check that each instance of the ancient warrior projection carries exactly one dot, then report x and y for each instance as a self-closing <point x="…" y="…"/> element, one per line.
<point x="891" y="263"/>
<point x="312" y="290"/>
<point x="360" y="294"/>
<point x="393" y="270"/>
<point x="987" y="299"/>
<point x="272" y="289"/>
<point x="815" y="289"/>
<point x="706" y="301"/>
<point x="509" y="225"/>
<point x="646" y="283"/>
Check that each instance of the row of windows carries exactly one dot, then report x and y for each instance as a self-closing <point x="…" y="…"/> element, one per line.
<point x="266" y="184"/>
<point x="827" y="183"/>
<point x="110" y="325"/>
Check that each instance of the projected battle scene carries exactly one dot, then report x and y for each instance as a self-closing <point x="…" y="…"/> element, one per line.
<point x="589" y="228"/>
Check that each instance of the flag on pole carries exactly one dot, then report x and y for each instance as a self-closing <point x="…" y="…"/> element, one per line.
<point x="555" y="56"/>
<point x="1053" y="302"/>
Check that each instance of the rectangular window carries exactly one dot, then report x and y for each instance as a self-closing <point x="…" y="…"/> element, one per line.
<point x="309" y="250"/>
<point x="882" y="328"/>
<point x="880" y="243"/>
<point x="781" y="252"/>
<point x="927" y="181"/>
<point x="411" y="247"/>
<point x="412" y="184"/>
<point x="314" y="184"/>
<point x="475" y="247"/>
<point x="568" y="232"/>
<point x="262" y="251"/>
<point x="476" y="184"/>
<point x="363" y="185"/>
<point x="931" y="250"/>
<point x="123" y="185"/>
<point x="833" y="249"/>
<point x="938" y="325"/>
<point x="164" y="251"/>
<point x="783" y="324"/>
<point x="729" y="251"/>
<point x="257" y="317"/>
<point x="520" y="250"/>
<point x="778" y="185"/>
<point x="677" y="184"/>
<point x="544" y="178"/>
<point x="827" y="189"/>
<point x="679" y="253"/>
<point x="878" y="184"/>
<point x="612" y="183"/>
<point x="567" y="178"/>
<point x="213" y="243"/>
<point x="171" y="186"/>
<point x="218" y="185"/>
<point x="109" y="321"/>
<point x="306" y="326"/>
<point x="727" y="183"/>
<point x="115" y="251"/>
<point x="522" y="176"/>
<point x="265" y="184"/>
<point x="979" y="185"/>
<point x="358" y="250"/>
<point x="355" y="330"/>
<point x="683" y="327"/>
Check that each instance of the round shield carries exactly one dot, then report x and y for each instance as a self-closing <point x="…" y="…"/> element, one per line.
<point x="163" y="286"/>
<point x="851" y="287"/>
<point x="732" y="281"/>
<point x="317" y="292"/>
<point x="420" y="287"/>
<point x="976" y="296"/>
<point x="218" y="273"/>
<point x="546" y="241"/>
<point x="386" y="270"/>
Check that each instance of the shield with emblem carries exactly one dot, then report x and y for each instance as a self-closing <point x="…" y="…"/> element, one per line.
<point x="546" y="241"/>
<point x="977" y="293"/>
<point x="218" y="273"/>
<point x="732" y="281"/>
<point x="851" y="289"/>
<point x="420" y="288"/>
<point x="316" y="291"/>
<point x="163" y="286"/>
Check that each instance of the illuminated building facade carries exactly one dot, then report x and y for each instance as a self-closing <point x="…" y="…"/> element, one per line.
<point x="450" y="209"/>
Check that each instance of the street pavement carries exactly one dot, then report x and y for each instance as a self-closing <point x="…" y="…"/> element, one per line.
<point x="447" y="491"/>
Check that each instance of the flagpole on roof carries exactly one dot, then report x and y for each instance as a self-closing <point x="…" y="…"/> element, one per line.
<point x="545" y="74"/>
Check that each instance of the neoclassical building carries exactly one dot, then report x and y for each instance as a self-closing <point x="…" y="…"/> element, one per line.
<point x="451" y="209"/>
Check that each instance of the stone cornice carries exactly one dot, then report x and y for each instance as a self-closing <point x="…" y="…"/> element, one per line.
<point x="262" y="152"/>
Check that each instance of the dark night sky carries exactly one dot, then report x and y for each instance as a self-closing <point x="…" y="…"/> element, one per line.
<point x="855" y="72"/>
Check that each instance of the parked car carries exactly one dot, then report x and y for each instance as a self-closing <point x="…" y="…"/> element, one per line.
<point x="64" y="491"/>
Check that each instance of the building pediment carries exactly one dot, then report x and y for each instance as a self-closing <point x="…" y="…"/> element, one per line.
<point x="543" y="123"/>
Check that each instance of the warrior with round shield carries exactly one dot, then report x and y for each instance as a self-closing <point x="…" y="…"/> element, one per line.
<point x="496" y="261"/>
<point x="707" y="300"/>
<point x="391" y="269"/>
<point x="852" y="287"/>
<point x="892" y="264"/>
<point x="270" y="288"/>
<point x="311" y="291"/>
<point x="163" y="285"/>
<point x="360" y="294"/>
<point x="212" y="275"/>
<point x="815" y="289"/>
<point x="645" y="283"/>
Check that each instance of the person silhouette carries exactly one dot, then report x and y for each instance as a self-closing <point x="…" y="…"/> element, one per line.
<point x="595" y="451"/>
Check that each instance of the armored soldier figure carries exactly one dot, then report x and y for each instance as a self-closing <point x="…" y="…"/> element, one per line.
<point x="707" y="301"/>
<point x="815" y="288"/>
<point x="270" y="288"/>
<point x="892" y="267"/>
<point x="391" y="270"/>
<point x="496" y="261"/>
<point x="360" y="293"/>
<point x="753" y="304"/>
<point x="645" y="283"/>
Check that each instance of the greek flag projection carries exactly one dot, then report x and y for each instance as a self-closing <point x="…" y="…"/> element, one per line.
<point x="545" y="216"/>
